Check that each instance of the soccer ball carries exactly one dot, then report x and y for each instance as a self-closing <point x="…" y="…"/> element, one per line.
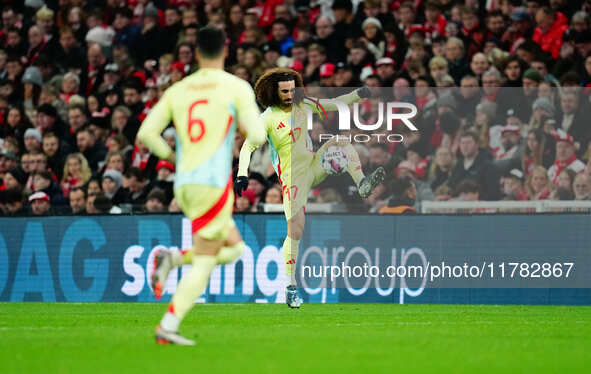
<point x="334" y="160"/>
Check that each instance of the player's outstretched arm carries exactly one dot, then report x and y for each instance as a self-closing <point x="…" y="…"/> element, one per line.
<point x="152" y="127"/>
<point x="329" y="105"/>
<point x="251" y="126"/>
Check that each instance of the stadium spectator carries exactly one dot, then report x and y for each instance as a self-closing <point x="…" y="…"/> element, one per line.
<point x="186" y="56"/>
<point x="273" y="195"/>
<point x="77" y="200"/>
<point x="32" y="140"/>
<point x="112" y="187"/>
<point x="49" y="121"/>
<point x="40" y="204"/>
<point x="132" y="98"/>
<point x="165" y="171"/>
<point x="379" y="156"/>
<point x="136" y="183"/>
<point x="513" y="70"/>
<point x="538" y="184"/>
<point x="475" y="164"/>
<point x="14" y="204"/>
<point x="8" y="161"/>
<point x="582" y="187"/>
<point x="542" y="108"/>
<point x="513" y="188"/>
<point x="169" y="136"/>
<point x="144" y="160"/>
<point x="76" y="120"/>
<point x="326" y="37"/>
<point x="455" y="55"/>
<point x="39" y="163"/>
<point x="70" y="86"/>
<point x="76" y="173"/>
<point x="551" y="26"/>
<point x="441" y="167"/>
<point x="280" y="33"/>
<point x="316" y="57"/>
<point x="43" y="181"/>
<point x="479" y="64"/>
<point x="93" y="149"/>
<point x="114" y="160"/>
<point x="257" y="184"/>
<point x="246" y="202"/>
<point x="483" y="123"/>
<point x="385" y="69"/>
<point x="565" y="156"/>
<point x="511" y="148"/>
<point x="11" y="144"/>
<point x="173" y="21"/>
<point x="562" y="194"/>
<point x="574" y="118"/>
<point x="443" y="193"/>
<point x="90" y="209"/>
<point x="469" y="96"/>
<point x="407" y="170"/>
<point x="468" y="190"/>
<point x="26" y="163"/>
<point x="156" y="201"/>
<point x="126" y="32"/>
<point x="15" y="179"/>
<point x="16" y="123"/>
<point x="68" y="53"/>
<point x="404" y="197"/>
<point x="103" y="205"/>
<point x="94" y="69"/>
<point x="537" y="151"/>
<point x="119" y="143"/>
<point x="438" y="67"/>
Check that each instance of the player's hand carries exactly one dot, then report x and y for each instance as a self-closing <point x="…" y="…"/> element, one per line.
<point x="240" y="184"/>
<point x="364" y="92"/>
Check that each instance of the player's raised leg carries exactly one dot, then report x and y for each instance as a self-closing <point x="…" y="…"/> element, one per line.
<point x="365" y="184"/>
<point x="166" y="260"/>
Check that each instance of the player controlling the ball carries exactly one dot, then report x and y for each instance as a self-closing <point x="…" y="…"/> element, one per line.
<point x="207" y="108"/>
<point x="299" y="169"/>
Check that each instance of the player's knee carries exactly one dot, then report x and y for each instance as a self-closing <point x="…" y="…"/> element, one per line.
<point x="295" y="231"/>
<point x="231" y="253"/>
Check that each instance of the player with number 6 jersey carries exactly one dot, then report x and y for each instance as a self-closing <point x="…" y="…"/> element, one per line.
<point x="206" y="109"/>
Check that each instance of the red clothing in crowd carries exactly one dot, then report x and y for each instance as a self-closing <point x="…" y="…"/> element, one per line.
<point x="434" y="30"/>
<point x="551" y="41"/>
<point x="572" y="163"/>
<point x="69" y="184"/>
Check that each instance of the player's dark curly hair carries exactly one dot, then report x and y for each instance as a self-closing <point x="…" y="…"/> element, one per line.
<point x="266" y="86"/>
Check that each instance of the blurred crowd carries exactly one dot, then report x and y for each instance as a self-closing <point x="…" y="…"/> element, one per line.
<point x="501" y="87"/>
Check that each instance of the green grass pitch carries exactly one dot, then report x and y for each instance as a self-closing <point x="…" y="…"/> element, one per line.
<point x="257" y="338"/>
